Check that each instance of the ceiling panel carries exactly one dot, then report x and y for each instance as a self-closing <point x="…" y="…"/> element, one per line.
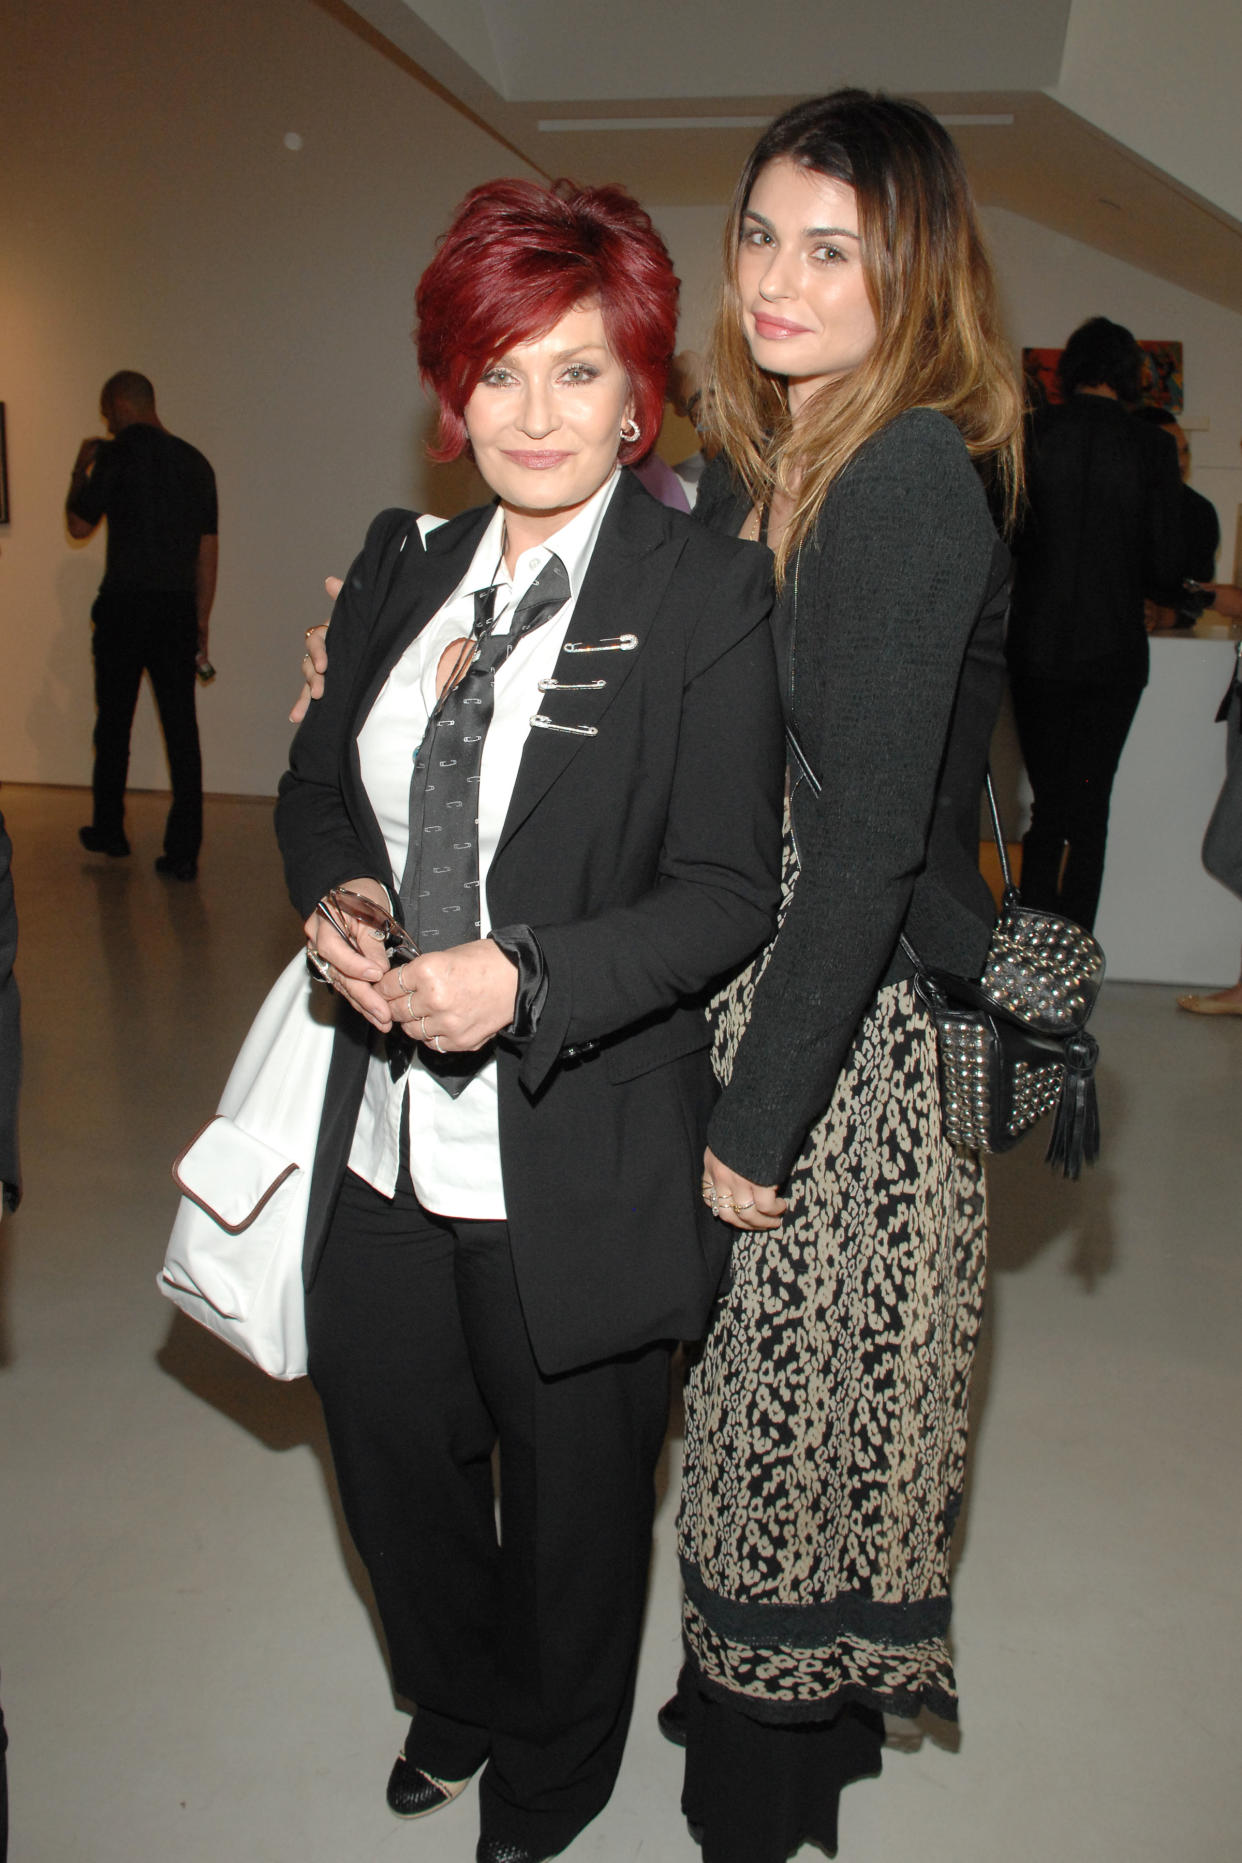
<point x="523" y="68"/>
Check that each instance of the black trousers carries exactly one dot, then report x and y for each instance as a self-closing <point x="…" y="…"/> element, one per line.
<point x="1072" y="737"/>
<point x="139" y="631"/>
<point x="519" y="1649"/>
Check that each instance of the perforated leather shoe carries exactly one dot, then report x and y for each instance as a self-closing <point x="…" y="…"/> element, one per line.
<point x="413" y="1793"/>
<point x="500" y="1850"/>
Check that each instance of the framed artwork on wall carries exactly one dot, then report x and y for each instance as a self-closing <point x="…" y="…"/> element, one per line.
<point x="1162" y="375"/>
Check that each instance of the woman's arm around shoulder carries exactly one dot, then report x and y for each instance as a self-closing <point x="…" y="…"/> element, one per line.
<point x="317" y="839"/>
<point x="886" y="599"/>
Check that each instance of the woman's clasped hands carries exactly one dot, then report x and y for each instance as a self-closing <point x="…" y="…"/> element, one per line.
<point x="455" y="1001"/>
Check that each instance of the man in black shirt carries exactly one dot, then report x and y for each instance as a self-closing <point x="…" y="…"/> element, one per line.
<point x="159" y="496"/>
<point x="1103" y="528"/>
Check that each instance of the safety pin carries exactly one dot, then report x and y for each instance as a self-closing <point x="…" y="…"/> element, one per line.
<point x="547" y="724"/>
<point x="561" y="685"/>
<point x="616" y="643"/>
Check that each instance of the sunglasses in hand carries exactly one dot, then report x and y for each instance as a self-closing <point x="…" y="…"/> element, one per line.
<point x="340" y="906"/>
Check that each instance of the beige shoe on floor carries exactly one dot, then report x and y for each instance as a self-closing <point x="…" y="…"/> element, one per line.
<point x="1209" y="1006"/>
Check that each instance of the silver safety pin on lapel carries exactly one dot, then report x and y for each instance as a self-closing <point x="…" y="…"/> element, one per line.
<point x="561" y="685"/>
<point x="615" y="643"/>
<point x="541" y="723"/>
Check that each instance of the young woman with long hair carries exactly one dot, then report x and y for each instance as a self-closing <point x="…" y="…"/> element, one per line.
<point x="869" y="415"/>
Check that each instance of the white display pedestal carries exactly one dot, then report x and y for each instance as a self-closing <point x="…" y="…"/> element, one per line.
<point x="1163" y="919"/>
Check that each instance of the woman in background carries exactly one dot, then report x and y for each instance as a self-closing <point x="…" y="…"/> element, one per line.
<point x="859" y="385"/>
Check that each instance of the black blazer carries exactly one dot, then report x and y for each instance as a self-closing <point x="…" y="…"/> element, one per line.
<point x="647" y="860"/>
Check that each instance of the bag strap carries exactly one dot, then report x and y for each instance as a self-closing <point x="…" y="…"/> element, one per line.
<point x="1001" y="849"/>
<point x="799" y="756"/>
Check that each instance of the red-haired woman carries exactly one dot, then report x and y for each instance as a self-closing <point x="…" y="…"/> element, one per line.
<point x="505" y="1229"/>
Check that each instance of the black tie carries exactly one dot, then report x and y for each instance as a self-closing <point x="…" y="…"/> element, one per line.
<point x="440" y="885"/>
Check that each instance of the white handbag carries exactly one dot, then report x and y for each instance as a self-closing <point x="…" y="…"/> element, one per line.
<point x="234" y="1259"/>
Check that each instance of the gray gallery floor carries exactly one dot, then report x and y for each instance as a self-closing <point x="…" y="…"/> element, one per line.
<point x="189" y="1670"/>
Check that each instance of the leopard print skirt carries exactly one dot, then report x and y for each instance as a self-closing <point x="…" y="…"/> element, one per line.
<point x="826" y="1414"/>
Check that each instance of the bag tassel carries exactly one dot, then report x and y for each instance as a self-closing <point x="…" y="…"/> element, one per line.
<point x="1075" y="1137"/>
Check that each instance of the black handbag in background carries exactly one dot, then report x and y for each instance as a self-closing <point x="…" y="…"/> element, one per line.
<point x="1013" y="1045"/>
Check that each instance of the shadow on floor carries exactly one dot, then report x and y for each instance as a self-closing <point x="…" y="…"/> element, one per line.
<point x="280" y="1415"/>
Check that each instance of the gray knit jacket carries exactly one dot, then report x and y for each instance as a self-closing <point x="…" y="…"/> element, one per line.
<point x="893" y="650"/>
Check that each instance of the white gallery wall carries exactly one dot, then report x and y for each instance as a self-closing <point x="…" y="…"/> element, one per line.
<point x="153" y="217"/>
<point x="1163" y="80"/>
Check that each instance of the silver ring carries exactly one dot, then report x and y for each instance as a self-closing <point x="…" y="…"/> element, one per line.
<point x="318" y="963"/>
<point x="305" y="658"/>
<point x="422" y="1025"/>
<point x="437" y="1044"/>
<point x="409" y="1004"/>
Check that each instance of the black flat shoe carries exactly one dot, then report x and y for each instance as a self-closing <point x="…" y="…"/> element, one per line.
<point x="175" y="869"/>
<point x="671" y="1720"/>
<point x="500" y="1850"/>
<point x="413" y="1793"/>
<point x="95" y="841"/>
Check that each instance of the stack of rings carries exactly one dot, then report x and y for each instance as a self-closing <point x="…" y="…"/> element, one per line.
<point x="323" y="972"/>
<point x="718" y="1200"/>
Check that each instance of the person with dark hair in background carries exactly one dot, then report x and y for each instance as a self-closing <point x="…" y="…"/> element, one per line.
<point x="1103" y="528"/>
<point x="10" y="1170"/>
<point x="1177" y="606"/>
<point x="151" y="615"/>
<point x="505" y="1232"/>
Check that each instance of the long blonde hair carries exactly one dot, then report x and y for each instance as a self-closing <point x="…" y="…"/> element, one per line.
<point x="939" y="342"/>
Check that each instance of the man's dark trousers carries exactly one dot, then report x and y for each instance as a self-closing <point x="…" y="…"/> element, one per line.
<point x="155" y="631"/>
<point x="1072" y="736"/>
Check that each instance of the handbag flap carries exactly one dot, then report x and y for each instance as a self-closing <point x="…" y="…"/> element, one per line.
<point x="230" y="1174"/>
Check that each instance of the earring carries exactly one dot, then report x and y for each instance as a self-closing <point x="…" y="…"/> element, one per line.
<point x="630" y="430"/>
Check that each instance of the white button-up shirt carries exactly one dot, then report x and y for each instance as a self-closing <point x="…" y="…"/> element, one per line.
<point x="455" y="1143"/>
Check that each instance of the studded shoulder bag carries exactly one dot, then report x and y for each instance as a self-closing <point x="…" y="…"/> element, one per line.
<point x="1013" y="1045"/>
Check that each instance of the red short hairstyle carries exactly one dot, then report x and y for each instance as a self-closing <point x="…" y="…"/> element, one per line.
<point x="518" y="257"/>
